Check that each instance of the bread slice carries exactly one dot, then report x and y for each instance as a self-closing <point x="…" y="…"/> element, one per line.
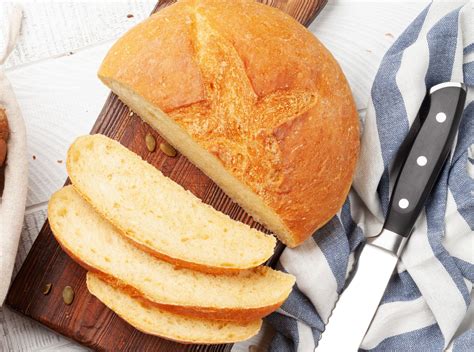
<point x="155" y="321"/>
<point x="159" y="215"/>
<point x="97" y="246"/>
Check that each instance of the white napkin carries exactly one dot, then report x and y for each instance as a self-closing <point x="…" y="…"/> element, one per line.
<point x="12" y="202"/>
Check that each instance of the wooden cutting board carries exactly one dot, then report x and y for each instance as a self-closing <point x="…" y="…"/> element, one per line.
<point x="87" y="320"/>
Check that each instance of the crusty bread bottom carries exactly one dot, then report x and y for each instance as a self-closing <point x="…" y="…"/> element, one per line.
<point x="155" y="321"/>
<point x="205" y="161"/>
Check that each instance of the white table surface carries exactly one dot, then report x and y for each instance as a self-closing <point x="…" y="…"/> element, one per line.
<point x="53" y="72"/>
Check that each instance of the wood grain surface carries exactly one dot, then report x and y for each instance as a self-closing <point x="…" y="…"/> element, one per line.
<point x="87" y="320"/>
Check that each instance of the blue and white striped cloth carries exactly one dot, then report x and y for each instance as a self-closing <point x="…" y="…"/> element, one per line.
<point x="429" y="294"/>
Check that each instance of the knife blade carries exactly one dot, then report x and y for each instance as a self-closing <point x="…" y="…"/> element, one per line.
<point x="423" y="162"/>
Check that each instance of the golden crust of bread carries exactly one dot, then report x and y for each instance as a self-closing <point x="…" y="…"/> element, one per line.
<point x="172" y="35"/>
<point x="268" y="100"/>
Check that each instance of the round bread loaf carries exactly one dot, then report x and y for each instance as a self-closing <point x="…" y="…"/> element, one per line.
<point x="253" y="99"/>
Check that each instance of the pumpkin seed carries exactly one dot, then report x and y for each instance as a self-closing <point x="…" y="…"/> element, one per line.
<point x="68" y="295"/>
<point x="168" y="149"/>
<point x="150" y="142"/>
<point x="47" y="289"/>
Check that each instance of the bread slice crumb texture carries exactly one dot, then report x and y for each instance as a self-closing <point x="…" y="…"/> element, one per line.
<point x="154" y="321"/>
<point x="96" y="245"/>
<point x="158" y="214"/>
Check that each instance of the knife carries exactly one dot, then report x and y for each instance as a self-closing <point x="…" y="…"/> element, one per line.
<point x="423" y="161"/>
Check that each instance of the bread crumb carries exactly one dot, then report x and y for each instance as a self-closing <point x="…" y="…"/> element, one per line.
<point x="59" y="161"/>
<point x="129" y="15"/>
<point x="390" y="35"/>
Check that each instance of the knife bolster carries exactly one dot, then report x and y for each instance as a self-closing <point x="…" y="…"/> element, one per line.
<point x="390" y="241"/>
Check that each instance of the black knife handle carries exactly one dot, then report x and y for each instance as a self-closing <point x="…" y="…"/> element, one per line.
<point x="426" y="157"/>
